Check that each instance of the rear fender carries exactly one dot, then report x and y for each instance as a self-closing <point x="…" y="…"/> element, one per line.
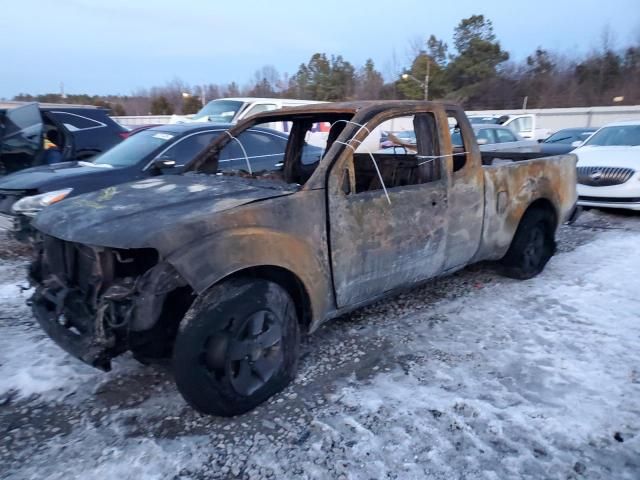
<point x="510" y="190"/>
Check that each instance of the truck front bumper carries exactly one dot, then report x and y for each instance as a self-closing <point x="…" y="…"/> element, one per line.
<point x="83" y="337"/>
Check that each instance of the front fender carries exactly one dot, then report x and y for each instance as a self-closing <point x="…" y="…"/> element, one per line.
<point x="230" y="251"/>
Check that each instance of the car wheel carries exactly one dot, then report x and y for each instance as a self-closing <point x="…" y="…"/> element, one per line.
<point x="236" y="347"/>
<point x="532" y="246"/>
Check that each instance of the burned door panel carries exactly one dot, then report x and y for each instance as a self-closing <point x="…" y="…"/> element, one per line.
<point x="383" y="239"/>
<point x="377" y="246"/>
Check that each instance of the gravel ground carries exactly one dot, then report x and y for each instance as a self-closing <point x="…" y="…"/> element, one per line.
<point x="470" y="376"/>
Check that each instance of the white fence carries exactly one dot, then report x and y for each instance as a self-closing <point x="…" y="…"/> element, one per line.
<point x="548" y="118"/>
<point x="134" y="121"/>
<point x="555" y="119"/>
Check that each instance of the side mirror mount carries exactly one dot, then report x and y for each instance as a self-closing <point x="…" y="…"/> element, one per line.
<point x="483" y="141"/>
<point x="576" y="144"/>
<point x="162" y="163"/>
<point x="541" y="140"/>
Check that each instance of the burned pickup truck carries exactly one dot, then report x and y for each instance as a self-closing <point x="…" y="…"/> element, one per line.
<point x="223" y="269"/>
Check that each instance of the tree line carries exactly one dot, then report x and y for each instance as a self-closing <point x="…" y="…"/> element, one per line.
<point x="475" y="71"/>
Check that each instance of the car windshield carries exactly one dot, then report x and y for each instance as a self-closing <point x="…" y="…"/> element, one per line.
<point x="221" y="111"/>
<point x="563" y="137"/>
<point x="617" y="135"/>
<point x="134" y="149"/>
<point x="483" y="120"/>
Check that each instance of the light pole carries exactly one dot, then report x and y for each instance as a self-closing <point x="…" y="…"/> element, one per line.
<point x="426" y="80"/>
<point x="425" y="84"/>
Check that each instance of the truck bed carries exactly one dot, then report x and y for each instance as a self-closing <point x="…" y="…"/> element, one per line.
<point x="489" y="158"/>
<point x="512" y="186"/>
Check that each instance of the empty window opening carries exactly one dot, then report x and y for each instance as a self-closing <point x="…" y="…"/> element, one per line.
<point x="460" y="141"/>
<point x="406" y="151"/>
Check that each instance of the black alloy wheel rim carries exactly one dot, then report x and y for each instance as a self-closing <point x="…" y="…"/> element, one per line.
<point x="534" y="250"/>
<point x="250" y="358"/>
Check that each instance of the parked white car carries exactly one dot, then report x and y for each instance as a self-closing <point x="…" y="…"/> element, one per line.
<point x="609" y="167"/>
<point x="525" y="125"/>
<point x="498" y="138"/>
<point x="232" y="110"/>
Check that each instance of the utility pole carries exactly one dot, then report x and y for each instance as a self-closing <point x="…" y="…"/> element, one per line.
<point x="204" y="100"/>
<point x="426" y="80"/>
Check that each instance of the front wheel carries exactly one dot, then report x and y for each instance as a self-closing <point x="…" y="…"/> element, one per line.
<point x="532" y="246"/>
<point x="236" y="347"/>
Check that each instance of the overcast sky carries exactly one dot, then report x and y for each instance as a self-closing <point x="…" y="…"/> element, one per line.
<point x="117" y="46"/>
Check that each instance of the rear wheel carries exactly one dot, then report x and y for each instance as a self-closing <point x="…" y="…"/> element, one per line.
<point x="532" y="246"/>
<point x="236" y="347"/>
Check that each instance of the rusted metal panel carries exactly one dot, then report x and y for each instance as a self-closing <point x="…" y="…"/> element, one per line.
<point x="511" y="188"/>
<point x="288" y="232"/>
<point x="377" y="243"/>
<point x="377" y="246"/>
<point x="466" y="195"/>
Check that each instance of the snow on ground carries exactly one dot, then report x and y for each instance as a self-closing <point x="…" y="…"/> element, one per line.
<point x="29" y="361"/>
<point x="533" y="377"/>
<point x="473" y="376"/>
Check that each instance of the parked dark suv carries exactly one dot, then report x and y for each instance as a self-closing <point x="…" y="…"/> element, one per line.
<point x="81" y="133"/>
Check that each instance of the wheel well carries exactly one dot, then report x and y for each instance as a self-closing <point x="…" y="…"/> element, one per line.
<point x="546" y="206"/>
<point x="287" y="280"/>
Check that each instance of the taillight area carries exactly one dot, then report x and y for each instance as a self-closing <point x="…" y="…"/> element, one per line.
<point x="124" y="135"/>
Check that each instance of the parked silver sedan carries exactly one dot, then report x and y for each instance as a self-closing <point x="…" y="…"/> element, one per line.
<point x="496" y="138"/>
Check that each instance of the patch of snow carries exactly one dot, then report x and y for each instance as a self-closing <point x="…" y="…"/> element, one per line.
<point x="517" y="382"/>
<point x="30" y="362"/>
<point x="197" y="188"/>
<point x="167" y="188"/>
<point x="148" y="183"/>
<point x="95" y="165"/>
<point x="10" y="291"/>
<point x="142" y="459"/>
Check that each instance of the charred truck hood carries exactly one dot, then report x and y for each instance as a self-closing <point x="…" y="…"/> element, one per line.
<point x="148" y="213"/>
<point x="100" y="279"/>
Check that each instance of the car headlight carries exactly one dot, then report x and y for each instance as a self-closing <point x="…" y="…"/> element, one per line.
<point x="30" y="206"/>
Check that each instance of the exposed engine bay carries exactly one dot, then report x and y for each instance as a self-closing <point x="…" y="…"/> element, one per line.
<point x="95" y="302"/>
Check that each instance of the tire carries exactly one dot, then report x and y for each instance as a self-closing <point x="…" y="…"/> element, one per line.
<point x="532" y="246"/>
<point x="236" y="347"/>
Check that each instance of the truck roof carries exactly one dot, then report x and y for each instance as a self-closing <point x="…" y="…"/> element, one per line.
<point x="356" y="106"/>
<point x="267" y="99"/>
